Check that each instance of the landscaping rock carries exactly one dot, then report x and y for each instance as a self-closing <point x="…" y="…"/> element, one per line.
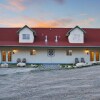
<point x="74" y="66"/>
<point x="5" y="65"/>
<point x="21" y="64"/>
<point x="33" y="65"/>
<point x="80" y="65"/>
<point x="66" y="66"/>
<point x="69" y="66"/>
<point x="93" y="62"/>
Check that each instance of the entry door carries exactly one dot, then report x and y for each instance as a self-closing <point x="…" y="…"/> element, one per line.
<point x="3" y="56"/>
<point x="97" y="56"/>
<point x="6" y="56"/>
<point x="91" y="56"/>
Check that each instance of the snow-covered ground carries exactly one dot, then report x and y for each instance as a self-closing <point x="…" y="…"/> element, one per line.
<point x="74" y="84"/>
<point x="5" y="71"/>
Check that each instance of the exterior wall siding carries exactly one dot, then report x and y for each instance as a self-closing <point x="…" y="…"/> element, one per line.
<point x="42" y="57"/>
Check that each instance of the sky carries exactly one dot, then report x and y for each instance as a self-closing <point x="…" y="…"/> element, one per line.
<point x="50" y="13"/>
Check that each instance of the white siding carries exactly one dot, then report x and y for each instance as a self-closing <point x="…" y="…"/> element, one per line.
<point x="0" y="56"/>
<point x="61" y="57"/>
<point x="42" y="57"/>
<point x="76" y="36"/>
<point x="26" y="31"/>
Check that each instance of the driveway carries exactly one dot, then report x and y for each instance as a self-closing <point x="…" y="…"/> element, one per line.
<point x="28" y="84"/>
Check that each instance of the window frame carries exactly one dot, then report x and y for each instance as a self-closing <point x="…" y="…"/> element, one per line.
<point x="26" y="36"/>
<point x="33" y="52"/>
<point x="69" y="52"/>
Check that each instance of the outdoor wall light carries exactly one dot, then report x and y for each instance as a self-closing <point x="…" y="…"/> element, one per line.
<point x="87" y="51"/>
<point x="14" y="51"/>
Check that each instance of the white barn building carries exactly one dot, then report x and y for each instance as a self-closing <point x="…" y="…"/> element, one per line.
<point x="49" y="45"/>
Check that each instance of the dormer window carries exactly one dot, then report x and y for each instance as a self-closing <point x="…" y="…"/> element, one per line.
<point x="76" y="35"/>
<point x="26" y="36"/>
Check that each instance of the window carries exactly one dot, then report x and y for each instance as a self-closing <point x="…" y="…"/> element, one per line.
<point x="3" y="55"/>
<point x="69" y="52"/>
<point x="26" y="36"/>
<point x="6" y="56"/>
<point x="32" y="52"/>
<point x="51" y="52"/>
<point x="9" y="56"/>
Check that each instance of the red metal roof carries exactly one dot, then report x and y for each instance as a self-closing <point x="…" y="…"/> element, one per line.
<point x="9" y="37"/>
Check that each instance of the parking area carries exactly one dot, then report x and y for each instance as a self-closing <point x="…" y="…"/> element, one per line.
<point x="28" y="84"/>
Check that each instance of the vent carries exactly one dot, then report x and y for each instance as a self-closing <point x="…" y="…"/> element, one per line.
<point x="46" y="39"/>
<point x="56" y="38"/>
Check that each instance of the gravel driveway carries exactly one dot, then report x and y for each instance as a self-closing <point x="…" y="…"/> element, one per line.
<point x="26" y="84"/>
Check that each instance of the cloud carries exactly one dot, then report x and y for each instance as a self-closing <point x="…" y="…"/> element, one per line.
<point x="45" y="1"/>
<point x="65" y="22"/>
<point x="20" y="5"/>
<point x="14" y="5"/>
<point x="83" y="14"/>
<point x="31" y="22"/>
<point x="84" y="23"/>
<point x="60" y="1"/>
<point x="54" y="23"/>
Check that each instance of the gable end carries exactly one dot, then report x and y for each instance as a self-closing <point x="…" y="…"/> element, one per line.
<point x="68" y="33"/>
<point x="34" y="32"/>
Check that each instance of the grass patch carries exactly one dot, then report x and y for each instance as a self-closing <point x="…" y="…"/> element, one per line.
<point x="12" y="65"/>
<point x="27" y="66"/>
